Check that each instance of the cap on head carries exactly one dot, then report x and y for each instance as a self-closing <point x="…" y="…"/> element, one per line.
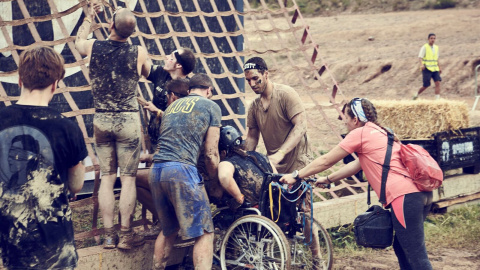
<point x="229" y="137"/>
<point x="255" y="63"/>
<point x="201" y="81"/>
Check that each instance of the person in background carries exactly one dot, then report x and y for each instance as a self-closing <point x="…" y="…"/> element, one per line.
<point x="408" y="205"/>
<point x="41" y="155"/>
<point x="430" y="66"/>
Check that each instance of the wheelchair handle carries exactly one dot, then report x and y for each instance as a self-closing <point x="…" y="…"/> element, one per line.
<point x="275" y="177"/>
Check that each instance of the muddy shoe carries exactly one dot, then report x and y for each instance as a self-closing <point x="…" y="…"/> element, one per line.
<point x="111" y="238"/>
<point x="153" y="232"/>
<point x="129" y="239"/>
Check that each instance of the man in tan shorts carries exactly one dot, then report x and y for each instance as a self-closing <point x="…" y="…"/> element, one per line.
<point x="115" y="68"/>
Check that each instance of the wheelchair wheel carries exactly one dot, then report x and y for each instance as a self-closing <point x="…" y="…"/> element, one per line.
<point x="301" y="247"/>
<point x="254" y="242"/>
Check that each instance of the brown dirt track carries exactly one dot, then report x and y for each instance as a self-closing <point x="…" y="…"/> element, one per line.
<point x="357" y="62"/>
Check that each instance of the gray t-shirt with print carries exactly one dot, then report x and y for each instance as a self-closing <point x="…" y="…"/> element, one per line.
<point x="184" y="126"/>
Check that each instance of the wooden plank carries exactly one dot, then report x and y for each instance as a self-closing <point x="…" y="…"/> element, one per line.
<point x="463" y="199"/>
<point x="343" y="210"/>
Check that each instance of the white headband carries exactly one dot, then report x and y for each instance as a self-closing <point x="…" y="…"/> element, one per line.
<point x="357" y="110"/>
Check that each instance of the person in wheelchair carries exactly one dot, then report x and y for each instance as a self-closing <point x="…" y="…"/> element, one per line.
<point x="240" y="172"/>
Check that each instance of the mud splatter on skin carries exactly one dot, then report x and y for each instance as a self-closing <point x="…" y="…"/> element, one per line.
<point x="253" y="75"/>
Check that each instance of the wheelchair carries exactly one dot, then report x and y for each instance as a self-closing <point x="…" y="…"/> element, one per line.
<point x="250" y="239"/>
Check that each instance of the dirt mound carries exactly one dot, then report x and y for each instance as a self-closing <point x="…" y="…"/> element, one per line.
<point x="373" y="55"/>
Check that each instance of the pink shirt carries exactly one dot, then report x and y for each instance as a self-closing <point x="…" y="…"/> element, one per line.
<point x="370" y="143"/>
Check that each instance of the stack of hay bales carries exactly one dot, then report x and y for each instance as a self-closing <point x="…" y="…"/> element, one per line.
<point x="419" y="119"/>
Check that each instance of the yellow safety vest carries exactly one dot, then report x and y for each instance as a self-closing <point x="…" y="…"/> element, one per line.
<point x="430" y="60"/>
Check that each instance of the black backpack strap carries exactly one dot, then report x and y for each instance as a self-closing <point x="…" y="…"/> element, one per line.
<point x="368" y="195"/>
<point x="386" y="168"/>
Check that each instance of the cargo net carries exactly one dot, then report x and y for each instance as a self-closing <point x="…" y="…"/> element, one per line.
<point x="222" y="34"/>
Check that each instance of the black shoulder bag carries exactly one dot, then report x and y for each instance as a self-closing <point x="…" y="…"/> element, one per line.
<point x="374" y="228"/>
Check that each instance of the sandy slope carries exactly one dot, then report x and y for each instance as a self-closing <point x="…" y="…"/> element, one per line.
<point x="397" y="37"/>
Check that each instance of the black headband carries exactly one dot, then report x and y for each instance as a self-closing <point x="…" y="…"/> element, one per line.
<point x="179" y="58"/>
<point x="248" y="66"/>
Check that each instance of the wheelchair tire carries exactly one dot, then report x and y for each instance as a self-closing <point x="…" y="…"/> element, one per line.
<point x="301" y="253"/>
<point x="255" y="242"/>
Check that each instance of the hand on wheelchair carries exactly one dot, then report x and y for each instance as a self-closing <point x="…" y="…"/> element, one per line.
<point x="233" y="204"/>
<point x="322" y="182"/>
<point x="287" y="179"/>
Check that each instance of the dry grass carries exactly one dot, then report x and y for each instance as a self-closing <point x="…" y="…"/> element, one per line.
<point x="419" y="119"/>
<point x="458" y="229"/>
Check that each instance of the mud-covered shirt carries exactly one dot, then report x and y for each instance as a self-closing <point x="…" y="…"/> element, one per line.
<point x="159" y="77"/>
<point x="114" y="76"/>
<point x="37" y="147"/>
<point x="249" y="174"/>
<point x="184" y="126"/>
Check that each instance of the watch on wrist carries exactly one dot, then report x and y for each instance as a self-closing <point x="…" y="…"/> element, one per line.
<point x="295" y="175"/>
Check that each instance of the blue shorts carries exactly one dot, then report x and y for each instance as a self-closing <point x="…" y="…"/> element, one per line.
<point x="429" y="75"/>
<point x="180" y="199"/>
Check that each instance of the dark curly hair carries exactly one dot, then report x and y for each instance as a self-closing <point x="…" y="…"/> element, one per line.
<point x="370" y="114"/>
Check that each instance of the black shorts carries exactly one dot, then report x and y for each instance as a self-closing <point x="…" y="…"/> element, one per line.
<point x="428" y="75"/>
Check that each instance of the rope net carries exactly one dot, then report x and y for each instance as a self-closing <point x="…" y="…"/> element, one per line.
<point x="222" y="34"/>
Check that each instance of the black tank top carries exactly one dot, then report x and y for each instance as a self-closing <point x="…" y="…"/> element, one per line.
<point x="249" y="174"/>
<point x="114" y="76"/>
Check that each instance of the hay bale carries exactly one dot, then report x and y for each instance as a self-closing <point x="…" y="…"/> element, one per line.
<point x="419" y="119"/>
